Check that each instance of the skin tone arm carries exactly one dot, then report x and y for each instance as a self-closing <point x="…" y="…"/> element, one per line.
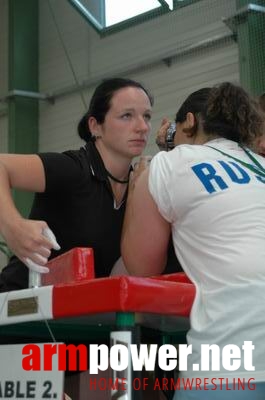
<point x="24" y="237"/>
<point x="145" y="233"/>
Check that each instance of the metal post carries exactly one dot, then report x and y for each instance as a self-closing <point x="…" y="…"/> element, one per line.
<point x="23" y="75"/>
<point x="249" y="25"/>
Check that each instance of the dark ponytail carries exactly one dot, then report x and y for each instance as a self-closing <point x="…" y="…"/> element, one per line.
<point x="83" y="129"/>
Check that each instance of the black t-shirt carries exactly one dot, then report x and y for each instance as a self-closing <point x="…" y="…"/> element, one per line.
<point x="79" y="207"/>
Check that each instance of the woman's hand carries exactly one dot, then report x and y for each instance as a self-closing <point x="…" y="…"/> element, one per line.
<point x="138" y="169"/>
<point x="161" y="134"/>
<point x="31" y="241"/>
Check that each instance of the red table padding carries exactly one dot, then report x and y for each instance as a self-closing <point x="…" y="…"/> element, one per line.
<point x="73" y="266"/>
<point x="160" y="295"/>
<point x="177" y="277"/>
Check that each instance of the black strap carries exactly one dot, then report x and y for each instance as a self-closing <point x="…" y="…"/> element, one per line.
<point x="116" y="179"/>
<point x="258" y="169"/>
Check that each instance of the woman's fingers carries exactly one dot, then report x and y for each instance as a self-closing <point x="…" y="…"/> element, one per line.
<point x="44" y="251"/>
<point x="37" y="259"/>
<point x="31" y="241"/>
<point x="161" y="134"/>
<point x="47" y="232"/>
<point x="34" y="266"/>
<point x="138" y="169"/>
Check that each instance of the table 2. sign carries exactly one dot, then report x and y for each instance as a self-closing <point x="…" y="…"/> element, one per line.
<point x="15" y="383"/>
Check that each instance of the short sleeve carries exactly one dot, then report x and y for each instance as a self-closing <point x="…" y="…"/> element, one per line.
<point x="159" y="184"/>
<point x="64" y="171"/>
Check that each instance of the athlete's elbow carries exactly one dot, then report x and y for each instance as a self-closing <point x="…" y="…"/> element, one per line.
<point x="139" y="263"/>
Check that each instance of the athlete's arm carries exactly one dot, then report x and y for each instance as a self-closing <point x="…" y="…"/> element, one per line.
<point x="146" y="233"/>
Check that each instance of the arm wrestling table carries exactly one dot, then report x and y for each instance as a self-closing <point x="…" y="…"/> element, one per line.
<point x="96" y="308"/>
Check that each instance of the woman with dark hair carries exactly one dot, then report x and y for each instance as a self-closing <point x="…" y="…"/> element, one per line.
<point x="80" y="194"/>
<point x="209" y="192"/>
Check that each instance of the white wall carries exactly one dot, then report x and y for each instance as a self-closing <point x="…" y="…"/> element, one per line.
<point x="128" y="52"/>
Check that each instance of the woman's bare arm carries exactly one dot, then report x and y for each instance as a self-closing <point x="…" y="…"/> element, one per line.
<point x="24" y="237"/>
<point x="145" y="232"/>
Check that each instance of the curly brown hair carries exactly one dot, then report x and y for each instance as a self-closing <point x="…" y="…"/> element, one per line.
<point x="261" y="101"/>
<point x="232" y="113"/>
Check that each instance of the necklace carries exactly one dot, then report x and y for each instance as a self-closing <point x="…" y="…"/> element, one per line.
<point x="116" y="179"/>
